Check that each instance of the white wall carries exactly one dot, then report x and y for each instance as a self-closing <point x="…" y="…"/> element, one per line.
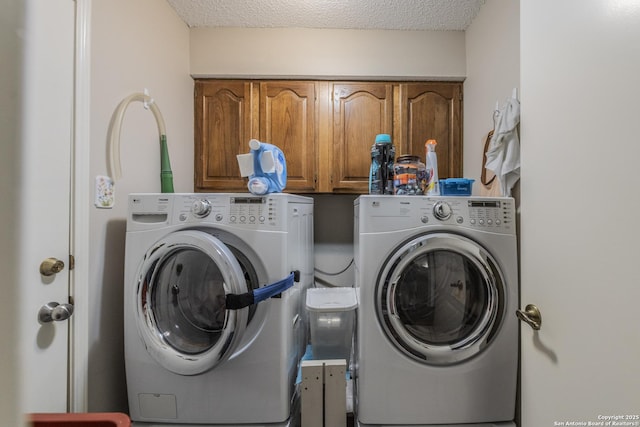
<point x="11" y="44"/>
<point x="493" y="70"/>
<point x="298" y="52"/>
<point x="134" y="45"/>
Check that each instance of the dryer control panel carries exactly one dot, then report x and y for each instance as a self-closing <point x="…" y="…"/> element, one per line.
<point x="390" y="213"/>
<point x="491" y="213"/>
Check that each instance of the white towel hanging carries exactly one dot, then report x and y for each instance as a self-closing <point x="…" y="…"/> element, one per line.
<point x="503" y="155"/>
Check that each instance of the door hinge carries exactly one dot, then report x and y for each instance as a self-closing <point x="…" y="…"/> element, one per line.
<point x="72" y="262"/>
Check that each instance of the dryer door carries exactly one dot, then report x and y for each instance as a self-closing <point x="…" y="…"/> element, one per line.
<point x="440" y="298"/>
<point x="180" y="302"/>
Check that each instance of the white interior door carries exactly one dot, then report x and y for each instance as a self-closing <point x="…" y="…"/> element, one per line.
<point x="580" y="233"/>
<point x="45" y="202"/>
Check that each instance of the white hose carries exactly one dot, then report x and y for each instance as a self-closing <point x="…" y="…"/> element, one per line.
<point x="113" y="142"/>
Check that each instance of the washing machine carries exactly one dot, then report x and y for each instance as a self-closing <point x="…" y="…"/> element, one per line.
<point x="214" y="317"/>
<point x="437" y="335"/>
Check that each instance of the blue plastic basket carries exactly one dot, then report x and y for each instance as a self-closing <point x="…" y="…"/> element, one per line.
<point x="456" y="186"/>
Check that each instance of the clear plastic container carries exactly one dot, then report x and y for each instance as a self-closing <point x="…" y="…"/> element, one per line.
<point x="332" y="313"/>
<point x="409" y="176"/>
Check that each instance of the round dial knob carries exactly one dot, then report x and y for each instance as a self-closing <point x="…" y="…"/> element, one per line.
<point x="201" y="208"/>
<point x="442" y="211"/>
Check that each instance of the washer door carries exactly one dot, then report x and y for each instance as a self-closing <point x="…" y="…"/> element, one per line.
<point x="180" y="302"/>
<point x="440" y="298"/>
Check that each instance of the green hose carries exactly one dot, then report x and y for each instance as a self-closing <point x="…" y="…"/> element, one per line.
<point x="166" y="176"/>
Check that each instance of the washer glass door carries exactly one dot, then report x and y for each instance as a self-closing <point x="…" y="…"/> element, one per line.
<point x="440" y="298"/>
<point x="181" y="302"/>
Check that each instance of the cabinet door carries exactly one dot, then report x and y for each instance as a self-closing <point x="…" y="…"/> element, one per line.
<point x="224" y="124"/>
<point x="432" y="111"/>
<point x="360" y="112"/>
<point x="288" y="120"/>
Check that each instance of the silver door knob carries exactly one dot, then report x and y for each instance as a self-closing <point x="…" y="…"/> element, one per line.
<point x="54" y="312"/>
<point x="531" y="316"/>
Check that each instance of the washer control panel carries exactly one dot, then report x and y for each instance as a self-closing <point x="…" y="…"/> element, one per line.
<point x="272" y="212"/>
<point x="247" y="211"/>
<point x="252" y="210"/>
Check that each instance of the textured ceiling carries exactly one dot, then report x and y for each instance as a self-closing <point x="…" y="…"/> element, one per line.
<point x="344" y="14"/>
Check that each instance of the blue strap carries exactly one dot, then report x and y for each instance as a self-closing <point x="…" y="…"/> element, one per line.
<point x="236" y="302"/>
<point x="273" y="289"/>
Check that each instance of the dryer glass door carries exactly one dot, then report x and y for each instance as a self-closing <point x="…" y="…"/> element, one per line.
<point x="440" y="298"/>
<point x="181" y="292"/>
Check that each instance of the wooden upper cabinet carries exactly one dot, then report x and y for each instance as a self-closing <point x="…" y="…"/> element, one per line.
<point x="431" y="111"/>
<point x="360" y="112"/>
<point x="288" y="120"/>
<point x="224" y="124"/>
<point x="324" y="128"/>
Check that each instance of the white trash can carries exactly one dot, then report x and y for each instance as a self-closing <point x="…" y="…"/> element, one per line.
<point x="332" y="313"/>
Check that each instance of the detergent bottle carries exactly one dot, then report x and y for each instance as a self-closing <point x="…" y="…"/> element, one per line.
<point x="433" y="188"/>
<point x="265" y="166"/>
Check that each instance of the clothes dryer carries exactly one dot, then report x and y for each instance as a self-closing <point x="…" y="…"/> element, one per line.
<point x="437" y="335"/>
<point x="214" y="318"/>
